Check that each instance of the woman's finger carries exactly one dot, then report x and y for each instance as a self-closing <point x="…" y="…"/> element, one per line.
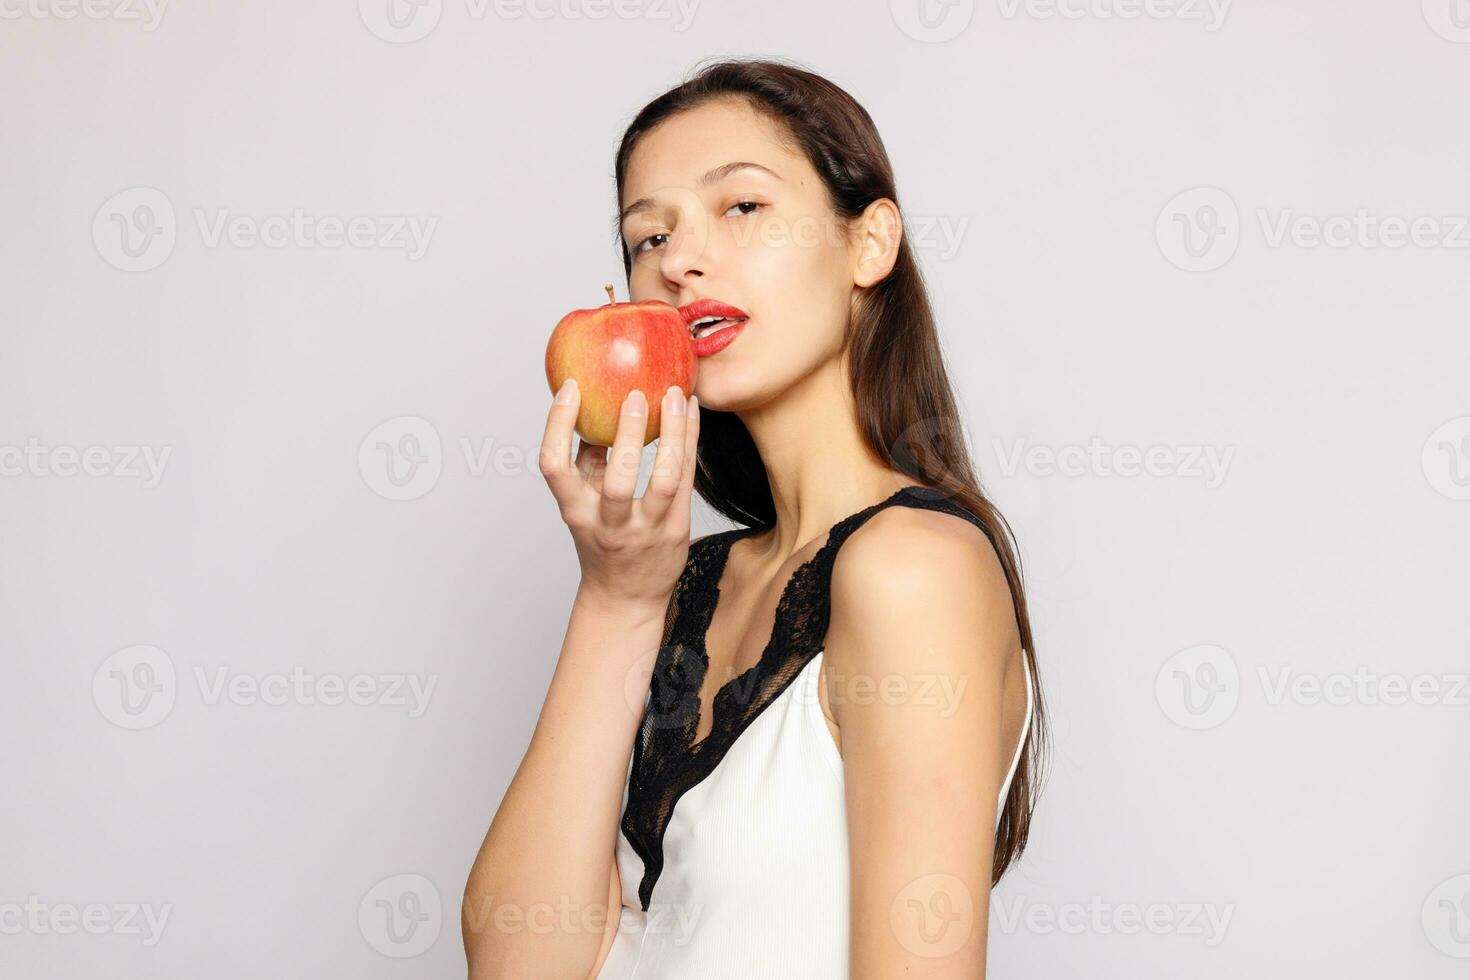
<point x="679" y="510"/>
<point x="668" y="462"/>
<point x="624" y="457"/>
<point x="555" y="457"/>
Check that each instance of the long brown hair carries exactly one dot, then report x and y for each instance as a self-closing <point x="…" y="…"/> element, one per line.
<point x="905" y="403"/>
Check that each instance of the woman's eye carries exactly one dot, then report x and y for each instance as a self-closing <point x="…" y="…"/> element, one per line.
<point x="638" y="248"/>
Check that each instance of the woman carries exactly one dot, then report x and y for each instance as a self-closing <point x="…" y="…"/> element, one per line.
<point x="808" y="746"/>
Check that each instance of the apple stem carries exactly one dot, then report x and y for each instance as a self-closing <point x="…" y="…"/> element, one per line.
<point x="610" y="298"/>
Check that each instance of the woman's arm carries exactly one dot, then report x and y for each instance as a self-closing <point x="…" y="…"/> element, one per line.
<point x="539" y="900"/>
<point x="922" y="633"/>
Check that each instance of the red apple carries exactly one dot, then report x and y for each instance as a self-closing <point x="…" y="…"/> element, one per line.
<point x="614" y="348"/>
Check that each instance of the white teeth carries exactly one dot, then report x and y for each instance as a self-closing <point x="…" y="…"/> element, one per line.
<point x="707" y="325"/>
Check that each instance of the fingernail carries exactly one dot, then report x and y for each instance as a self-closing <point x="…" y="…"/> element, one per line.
<point x="693" y="410"/>
<point x="637" y="405"/>
<point x="674" y="400"/>
<point x="564" y="393"/>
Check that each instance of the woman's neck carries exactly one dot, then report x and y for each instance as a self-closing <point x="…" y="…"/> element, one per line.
<point x="819" y="468"/>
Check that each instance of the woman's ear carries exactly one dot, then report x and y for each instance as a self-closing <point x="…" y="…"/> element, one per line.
<point x="877" y="233"/>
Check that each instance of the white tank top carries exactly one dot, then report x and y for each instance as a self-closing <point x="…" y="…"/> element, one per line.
<point x="751" y="865"/>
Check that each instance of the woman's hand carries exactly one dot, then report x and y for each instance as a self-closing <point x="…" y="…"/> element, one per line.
<point x="632" y="549"/>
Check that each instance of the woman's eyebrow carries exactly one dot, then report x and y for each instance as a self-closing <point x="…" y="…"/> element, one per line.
<point x="718" y="173"/>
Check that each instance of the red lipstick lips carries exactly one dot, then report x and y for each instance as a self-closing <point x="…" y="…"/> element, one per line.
<point x="727" y="322"/>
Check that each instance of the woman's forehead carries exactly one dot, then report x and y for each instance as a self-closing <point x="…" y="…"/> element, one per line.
<point x="682" y="149"/>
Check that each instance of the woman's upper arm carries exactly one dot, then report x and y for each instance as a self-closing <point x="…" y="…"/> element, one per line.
<point x="922" y="631"/>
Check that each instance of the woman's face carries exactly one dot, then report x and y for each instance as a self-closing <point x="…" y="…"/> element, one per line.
<point x="760" y="238"/>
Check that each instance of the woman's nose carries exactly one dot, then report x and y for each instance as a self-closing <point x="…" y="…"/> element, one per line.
<point x="687" y="250"/>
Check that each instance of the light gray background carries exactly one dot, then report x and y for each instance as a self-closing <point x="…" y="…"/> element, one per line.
<point x="1051" y="150"/>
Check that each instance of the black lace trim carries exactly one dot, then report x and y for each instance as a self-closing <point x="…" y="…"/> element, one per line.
<point x="667" y="762"/>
